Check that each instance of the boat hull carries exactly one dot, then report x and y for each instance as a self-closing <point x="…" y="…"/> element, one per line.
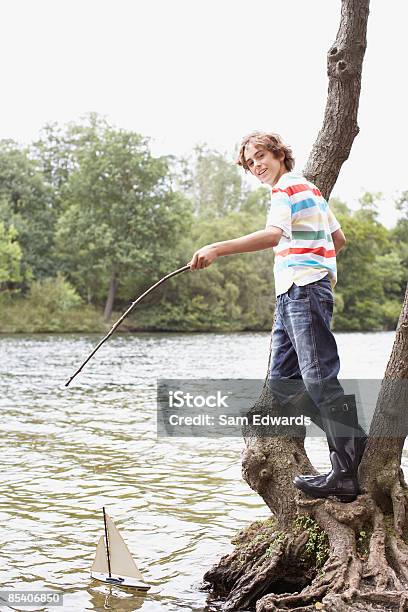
<point x="117" y="580"/>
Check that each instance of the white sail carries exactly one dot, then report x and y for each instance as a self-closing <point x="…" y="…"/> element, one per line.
<point x="100" y="563"/>
<point x="123" y="569"/>
<point x="121" y="561"/>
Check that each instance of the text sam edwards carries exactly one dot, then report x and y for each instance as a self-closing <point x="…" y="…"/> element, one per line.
<point x="239" y="421"/>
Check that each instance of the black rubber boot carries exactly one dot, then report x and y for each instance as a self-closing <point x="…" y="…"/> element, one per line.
<point x="360" y="435"/>
<point x="361" y="443"/>
<point x="338" y="483"/>
<point x="346" y="441"/>
<point x="306" y="406"/>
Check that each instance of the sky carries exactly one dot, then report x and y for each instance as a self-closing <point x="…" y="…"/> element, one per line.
<point x="185" y="72"/>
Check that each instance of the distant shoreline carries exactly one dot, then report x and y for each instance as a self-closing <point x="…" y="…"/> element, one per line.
<point x="90" y="321"/>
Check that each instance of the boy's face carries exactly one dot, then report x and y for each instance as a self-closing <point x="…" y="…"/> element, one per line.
<point x="263" y="164"/>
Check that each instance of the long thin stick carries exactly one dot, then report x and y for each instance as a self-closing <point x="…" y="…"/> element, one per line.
<point x="129" y="310"/>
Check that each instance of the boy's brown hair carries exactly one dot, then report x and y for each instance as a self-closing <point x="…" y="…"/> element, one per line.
<point x="270" y="141"/>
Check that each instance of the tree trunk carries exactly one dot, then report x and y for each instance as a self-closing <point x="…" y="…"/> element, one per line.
<point x="344" y="67"/>
<point x="320" y="553"/>
<point x="110" y="300"/>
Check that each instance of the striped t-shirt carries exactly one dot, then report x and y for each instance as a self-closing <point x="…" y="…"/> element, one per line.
<point x="305" y="252"/>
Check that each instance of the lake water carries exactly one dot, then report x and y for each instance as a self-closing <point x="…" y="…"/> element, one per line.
<point x="65" y="453"/>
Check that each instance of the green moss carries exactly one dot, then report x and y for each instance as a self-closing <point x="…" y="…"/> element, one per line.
<point x="261" y="537"/>
<point x="252" y="542"/>
<point x="317" y="545"/>
<point x="240" y="560"/>
<point x="255" y="532"/>
<point x="274" y="545"/>
<point x="363" y="541"/>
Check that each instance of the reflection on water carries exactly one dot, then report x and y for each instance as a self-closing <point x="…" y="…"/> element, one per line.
<point x="67" y="452"/>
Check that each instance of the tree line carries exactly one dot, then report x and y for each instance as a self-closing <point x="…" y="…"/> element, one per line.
<point x="89" y="218"/>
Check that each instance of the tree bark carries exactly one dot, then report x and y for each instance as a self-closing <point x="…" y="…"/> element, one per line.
<point x="110" y="300"/>
<point x="316" y="553"/>
<point x="344" y="67"/>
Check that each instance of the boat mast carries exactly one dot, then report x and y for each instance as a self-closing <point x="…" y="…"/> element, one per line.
<point x="107" y="541"/>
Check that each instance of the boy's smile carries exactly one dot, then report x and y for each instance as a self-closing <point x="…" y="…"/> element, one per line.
<point x="263" y="164"/>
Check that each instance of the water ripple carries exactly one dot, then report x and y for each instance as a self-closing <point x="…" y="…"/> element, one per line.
<point x="67" y="452"/>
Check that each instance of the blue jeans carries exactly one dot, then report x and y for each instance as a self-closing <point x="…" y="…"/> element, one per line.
<point x="304" y="350"/>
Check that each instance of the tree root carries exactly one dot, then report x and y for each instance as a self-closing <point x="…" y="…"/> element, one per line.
<point x="365" y="567"/>
<point x="260" y="563"/>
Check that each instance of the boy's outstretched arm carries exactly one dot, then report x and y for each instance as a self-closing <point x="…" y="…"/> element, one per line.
<point x="257" y="241"/>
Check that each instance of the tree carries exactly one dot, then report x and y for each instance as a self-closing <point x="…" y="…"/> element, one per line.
<point x="26" y="203"/>
<point x="322" y="554"/>
<point x="212" y="182"/>
<point x="367" y="297"/>
<point x="10" y="256"/>
<point x="399" y="235"/>
<point x="54" y="153"/>
<point x="402" y="203"/>
<point x="234" y="295"/>
<point x="120" y="214"/>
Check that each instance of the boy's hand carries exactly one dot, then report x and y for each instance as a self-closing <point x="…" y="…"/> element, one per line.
<point x="203" y="257"/>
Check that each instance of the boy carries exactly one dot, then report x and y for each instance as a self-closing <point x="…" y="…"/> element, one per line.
<point x="304" y="365"/>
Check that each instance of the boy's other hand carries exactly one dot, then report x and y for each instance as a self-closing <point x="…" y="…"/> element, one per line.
<point x="203" y="257"/>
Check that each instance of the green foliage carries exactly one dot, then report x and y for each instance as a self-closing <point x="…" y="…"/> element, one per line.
<point x="54" y="154"/>
<point x="369" y="271"/>
<point x="26" y="203"/>
<point x="257" y="202"/>
<point x="54" y="294"/>
<point x="258" y="538"/>
<point x="120" y="213"/>
<point x="52" y="305"/>
<point x="401" y="203"/>
<point x="213" y="183"/>
<point x="10" y="256"/>
<point x="87" y="210"/>
<point x="339" y="207"/>
<point x="399" y="239"/>
<point x="234" y="294"/>
<point x="369" y="203"/>
<point x="363" y="541"/>
<point x="275" y="544"/>
<point x="317" y="545"/>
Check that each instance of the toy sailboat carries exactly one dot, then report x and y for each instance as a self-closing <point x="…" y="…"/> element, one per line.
<point x="113" y="562"/>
